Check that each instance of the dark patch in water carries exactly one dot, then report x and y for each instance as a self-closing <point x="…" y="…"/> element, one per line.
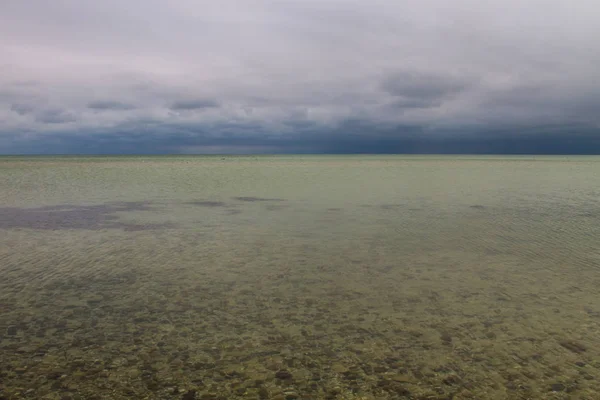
<point x="383" y="206"/>
<point x="273" y="207"/>
<point x="207" y="203"/>
<point x="591" y="312"/>
<point x="575" y="347"/>
<point x="233" y="211"/>
<point x="390" y="206"/>
<point x="477" y="207"/>
<point x="254" y="199"/>
<point x="68" y="216"/>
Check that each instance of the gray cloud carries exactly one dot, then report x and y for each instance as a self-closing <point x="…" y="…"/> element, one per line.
<point x="109" y="105"/>
<point x="407" y="102"/>
<point x="197" y="104"/>
<point x="422" y="86"/>
<point x="298" y="75"/>
<point x="55" y="116"/>
<point x="22" y="109"/>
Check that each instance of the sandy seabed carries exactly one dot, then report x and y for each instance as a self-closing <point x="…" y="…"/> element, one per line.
<point x="299" y="278"/>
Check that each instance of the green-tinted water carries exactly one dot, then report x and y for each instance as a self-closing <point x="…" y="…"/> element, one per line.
<point x="339" y="277"/>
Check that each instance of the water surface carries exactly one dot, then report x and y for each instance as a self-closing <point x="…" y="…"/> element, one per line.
<point x="299" y="277"/>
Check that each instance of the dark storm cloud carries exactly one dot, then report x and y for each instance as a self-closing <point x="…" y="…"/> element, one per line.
<point x="417" y="87"/>
<point x="55" y="116"/>
<point x="299" y="76"/>
<point x="416" y="103"/>
<point x="347" y="138"/>
<point x="193" y="104"/>
<point x="109" y="105"/>
<point x="21" y="109"/>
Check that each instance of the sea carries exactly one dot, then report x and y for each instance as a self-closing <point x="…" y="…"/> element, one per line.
<point x="300" y="277"/>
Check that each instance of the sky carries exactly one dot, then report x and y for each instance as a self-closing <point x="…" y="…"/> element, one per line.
<point x="299" y="76"/>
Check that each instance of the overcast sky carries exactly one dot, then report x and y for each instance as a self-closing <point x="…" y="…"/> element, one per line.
<point x="256" y="76"/>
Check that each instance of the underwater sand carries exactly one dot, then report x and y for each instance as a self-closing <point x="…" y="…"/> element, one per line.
<point x="324" y="277"/>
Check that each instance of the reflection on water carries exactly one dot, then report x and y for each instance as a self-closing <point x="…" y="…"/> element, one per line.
<point x="299" y="278"/>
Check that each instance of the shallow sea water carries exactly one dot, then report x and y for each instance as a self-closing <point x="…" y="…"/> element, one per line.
<point x="300" y="277"/>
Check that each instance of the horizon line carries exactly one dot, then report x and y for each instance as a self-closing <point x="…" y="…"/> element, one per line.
<point x="282" y="154"/>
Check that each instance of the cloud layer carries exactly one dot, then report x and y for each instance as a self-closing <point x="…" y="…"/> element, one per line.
<point x="189" y="76"/>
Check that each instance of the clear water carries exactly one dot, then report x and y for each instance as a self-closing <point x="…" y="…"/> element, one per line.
<point x="299" y="277"/>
